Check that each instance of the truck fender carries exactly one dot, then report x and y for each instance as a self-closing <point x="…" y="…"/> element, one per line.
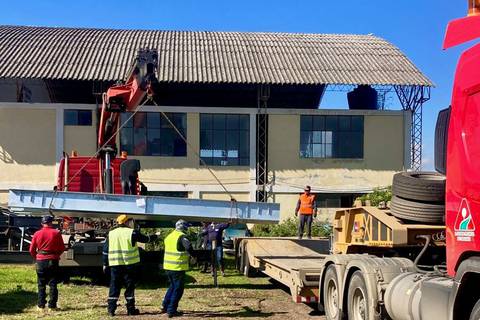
<point x="378" y="273"/>
<point x="340" y="261"/>
<point x="460" y="306"/>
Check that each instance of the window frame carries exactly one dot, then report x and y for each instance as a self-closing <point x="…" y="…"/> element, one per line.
<point x="347" y="148"/>
<point x="230" y="134"/>
<point x="77" y="122"/>
<point x="146" y="125"/>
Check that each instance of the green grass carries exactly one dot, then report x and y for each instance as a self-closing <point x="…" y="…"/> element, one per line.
<point x="236" y="296"/>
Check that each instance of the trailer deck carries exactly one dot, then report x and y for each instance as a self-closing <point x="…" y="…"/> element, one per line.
<point x="295" y="263"/>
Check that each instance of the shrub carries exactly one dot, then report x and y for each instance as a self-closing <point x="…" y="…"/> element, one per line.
<point x="288" y="228"/>
<point x="378" y="195"/>
<point x="192" y="235"/>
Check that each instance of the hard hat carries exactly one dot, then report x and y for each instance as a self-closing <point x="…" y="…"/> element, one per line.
<point x="47" y="219"/>
<point x="181" y="225"/>
<point x="122" y="219"/>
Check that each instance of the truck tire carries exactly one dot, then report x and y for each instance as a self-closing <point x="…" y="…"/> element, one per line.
<point x="419" y="186"/>
<point x="415" y="211"/>
<point x="357" y="298"/>
<point x="475" y="314"/>
<point x="331" y="294"/>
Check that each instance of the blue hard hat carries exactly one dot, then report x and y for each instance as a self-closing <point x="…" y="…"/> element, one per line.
<point x="182" y="225"/>
<point x="47" y="219"/>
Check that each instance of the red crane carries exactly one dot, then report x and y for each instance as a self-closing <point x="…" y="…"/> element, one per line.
<point x="101" y="172"/>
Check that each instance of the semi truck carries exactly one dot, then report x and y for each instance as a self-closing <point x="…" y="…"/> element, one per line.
<point x="402" y="263"/>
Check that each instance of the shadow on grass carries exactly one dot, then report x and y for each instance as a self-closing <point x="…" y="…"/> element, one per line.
<point x="17" y="300"/>
<point x="251" y="286"/>
<point x="245" y="312"/>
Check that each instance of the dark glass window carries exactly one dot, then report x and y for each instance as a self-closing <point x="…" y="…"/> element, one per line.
<point x="225" y="139"/>
<point x="77" y="117"/>
<point x="335" y="200"/>
<point x="150" y="134"/>
<point x="331" y="137"/>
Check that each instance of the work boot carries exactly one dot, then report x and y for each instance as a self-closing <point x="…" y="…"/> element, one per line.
<point x="175" y="314"/>
<point x="111" y="313"/>
<point x="133" y="312"/>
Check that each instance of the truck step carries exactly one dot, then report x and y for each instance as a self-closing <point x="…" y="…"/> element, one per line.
<point x="93" y="205"/>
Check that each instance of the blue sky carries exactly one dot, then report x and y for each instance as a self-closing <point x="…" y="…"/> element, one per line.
<point x="417" y="27"/>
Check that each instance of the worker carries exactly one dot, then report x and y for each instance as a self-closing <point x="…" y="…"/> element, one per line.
<point x="175" y="263"/>
<point x="205" y="245"/>
<point x="215" y="234"/>
<point x="46" y="248"/>
<point x="307" y="208"/>
<point x="121" y="254"/>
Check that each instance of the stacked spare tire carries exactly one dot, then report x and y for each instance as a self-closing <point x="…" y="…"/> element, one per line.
<point x="418" y="197"/>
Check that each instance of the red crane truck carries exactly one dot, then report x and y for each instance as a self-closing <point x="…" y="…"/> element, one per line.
<point x="383" y="267"/>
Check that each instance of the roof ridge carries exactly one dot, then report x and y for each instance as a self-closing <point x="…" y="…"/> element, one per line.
<point x="190" y="31"/>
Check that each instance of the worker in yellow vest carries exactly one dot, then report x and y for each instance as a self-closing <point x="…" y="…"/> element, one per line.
<point x="120" y="253"/>
<point x="175" y="263"/>
<point x="307" y="208"/>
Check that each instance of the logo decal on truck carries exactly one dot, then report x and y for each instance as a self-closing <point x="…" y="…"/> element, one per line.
<point x="464" y="224"/>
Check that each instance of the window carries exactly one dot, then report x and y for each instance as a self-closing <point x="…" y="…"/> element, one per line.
<point x="150" y="134"/>
<point x="170" y="194"/>
<point x="77" y="117"/>
<point x="331" y="137"/>
<point x="335" y="200"/>
<point x="225" y="139"/>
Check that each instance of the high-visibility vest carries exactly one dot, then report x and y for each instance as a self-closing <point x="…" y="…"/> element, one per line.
<point x="306" y="204"/>
<point x="120" y="249"/>
<point x="173" y="259"/>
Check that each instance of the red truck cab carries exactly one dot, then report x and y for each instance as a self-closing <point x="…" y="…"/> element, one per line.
<point x="463" y="147"/>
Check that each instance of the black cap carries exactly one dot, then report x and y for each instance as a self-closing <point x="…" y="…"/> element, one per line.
<point x="47" y="219"/>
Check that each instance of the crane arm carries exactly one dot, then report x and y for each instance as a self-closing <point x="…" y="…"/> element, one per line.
<point x="118" y="99"/>
<point x="127" y="96"/>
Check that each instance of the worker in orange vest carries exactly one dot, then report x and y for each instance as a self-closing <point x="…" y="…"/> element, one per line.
<point x="307" y="208"/>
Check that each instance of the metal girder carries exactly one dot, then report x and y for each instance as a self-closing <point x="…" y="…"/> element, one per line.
<point x="263" y="181"/>
<point x="412" y="98"/>
<point x="79" y="204"/>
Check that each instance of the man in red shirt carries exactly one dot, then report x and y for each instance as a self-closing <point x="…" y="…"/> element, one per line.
<point x="46" y="247"/>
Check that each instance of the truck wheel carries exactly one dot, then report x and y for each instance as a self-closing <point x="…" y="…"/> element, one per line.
<point x="357" y="298"/>
<point x="417" y="211"/>
<point x="475" y="315"/>
<point x="331" y="293"/>
<point x="419" y="186"/>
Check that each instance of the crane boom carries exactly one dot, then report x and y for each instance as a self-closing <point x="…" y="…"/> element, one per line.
<point x="119" y="99"/>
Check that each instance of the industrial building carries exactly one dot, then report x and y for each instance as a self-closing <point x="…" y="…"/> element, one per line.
<point x="248" y="104"/>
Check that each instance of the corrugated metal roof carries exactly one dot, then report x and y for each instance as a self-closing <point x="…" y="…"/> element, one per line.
<point x="206" y="57"/>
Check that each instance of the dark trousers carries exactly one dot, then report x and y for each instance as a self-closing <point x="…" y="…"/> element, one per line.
<point x="175" y="290"/>
<point x="305" y="218"/>
<point x="219" y="257"/>
<point x="47" y="274"/>
<point x="122" y="275"/>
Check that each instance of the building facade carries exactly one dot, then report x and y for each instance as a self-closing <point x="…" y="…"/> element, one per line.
<point x="311" y="147"/>
<point x="248" y="105"/>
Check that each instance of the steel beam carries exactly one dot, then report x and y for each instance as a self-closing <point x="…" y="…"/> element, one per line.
<point x="78" y="204"/>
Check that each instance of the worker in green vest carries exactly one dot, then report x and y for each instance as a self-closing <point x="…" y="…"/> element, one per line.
<point x="120" y="253"/>
<point x="175" y="263"/>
